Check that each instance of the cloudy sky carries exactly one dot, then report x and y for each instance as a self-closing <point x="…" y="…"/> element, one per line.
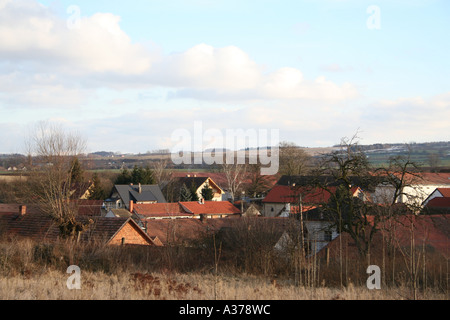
<point x="127" y="74"/>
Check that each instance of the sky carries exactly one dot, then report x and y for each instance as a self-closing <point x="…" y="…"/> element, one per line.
<point x="126" y="75"/>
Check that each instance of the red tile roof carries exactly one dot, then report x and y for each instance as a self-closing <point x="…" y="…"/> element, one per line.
<point x="171" y="231"/>
<point x="429" y="231"/>
<point x="183" y="209"/>
<point x="445" y="192"/>
<point x="289" y="194"/>
<point x="210" y="207"/>
<point x="439" y="202"/>
<point x="430" y="178"/>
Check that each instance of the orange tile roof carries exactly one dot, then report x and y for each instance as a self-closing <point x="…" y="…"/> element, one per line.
<point x="180" y="209"/>
<point x="210" y="207"/>
<point x="430" y="178"/>
<point x="288" y="194"/>
<point x="445" y="192"/>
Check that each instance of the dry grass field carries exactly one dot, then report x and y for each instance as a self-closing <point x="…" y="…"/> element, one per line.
<point x="138" y="286"/>
<point x="33" y="271"/>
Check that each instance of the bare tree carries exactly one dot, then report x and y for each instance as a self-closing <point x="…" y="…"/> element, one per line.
<point x="257" y="183"/>
<point x="55" y="151"/>
<point x="235" y="174"/>
<point x="161" y="173"/>
<point x="401" y="173"/>
<point x="350" y="214"/>
<point x="361" y="219"/>
<point x="293" y="159"/>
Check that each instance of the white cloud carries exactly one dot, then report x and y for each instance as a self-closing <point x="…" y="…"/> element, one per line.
<point x="96" y="52"/>
<point x="56" y="69"/>
<point x="288" y="83"/>
<point x="205" y="72"/>
<point x="205" y="67"/>
<point x="408" y="119"/>
<point x="30" y="32"/>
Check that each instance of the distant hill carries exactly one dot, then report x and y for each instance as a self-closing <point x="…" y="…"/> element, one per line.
<point x="103" y="153"/>
<point x="429" y="155"/>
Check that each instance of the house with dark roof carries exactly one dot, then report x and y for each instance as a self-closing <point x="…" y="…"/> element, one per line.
<point x="123" y="195"/>
<point x="91" y="208"/>
<point x="18" y="221"/>
<point x="195" y="184"/>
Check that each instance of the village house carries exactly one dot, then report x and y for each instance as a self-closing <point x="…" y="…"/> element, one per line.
<point x="293" y="196"/>
<point x="284" y="200"/>
<point x="430" y="233"/>
<point x="278" y="233"/>
<point x="195" y="184"/>
<point x="118" y="213"/>
<point x="417" y="188"/>
<point x="437" y="193"/>
<point x="185" y="210"/>
<point x="123" y="195"/>
<point x="440" y="205"/>
<point x="92" y="208"/>
<point x="29" y="222"/>
<point x="438" y="202"/>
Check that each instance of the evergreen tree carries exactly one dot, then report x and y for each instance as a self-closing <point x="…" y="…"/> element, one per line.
<point x="97" y="191"/>
<point x="207" y="193"/>
<point x="137" y="175"/>
<point x="124" y="177"/>
<point x="194" y="195"/>
<point x="76" y="172"/>
<point x="147" y="176"/>
<point x="142" y="176"/>
<point x="185" y="193"/>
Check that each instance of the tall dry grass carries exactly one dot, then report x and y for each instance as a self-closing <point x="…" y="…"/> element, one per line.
<point x="51" y="285"/>
<point x="30" y="270"/>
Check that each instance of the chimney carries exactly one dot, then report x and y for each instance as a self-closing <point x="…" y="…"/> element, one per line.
<point x="131" y="206"/>
<point x="22" y="210"/>
<point x="202" y="201"/>
<point x="146" y="227"/>
<point x="140" y="188"/>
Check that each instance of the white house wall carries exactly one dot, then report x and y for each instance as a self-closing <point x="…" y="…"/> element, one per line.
<point x="272" y="209"/>
<point x="316" y="234"/>
<point x="413" y="195"/>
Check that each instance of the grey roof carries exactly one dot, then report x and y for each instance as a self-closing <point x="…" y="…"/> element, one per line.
<point x="149" y="192"/>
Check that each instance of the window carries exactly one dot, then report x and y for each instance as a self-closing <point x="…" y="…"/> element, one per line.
<point x="328" y="235"/>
